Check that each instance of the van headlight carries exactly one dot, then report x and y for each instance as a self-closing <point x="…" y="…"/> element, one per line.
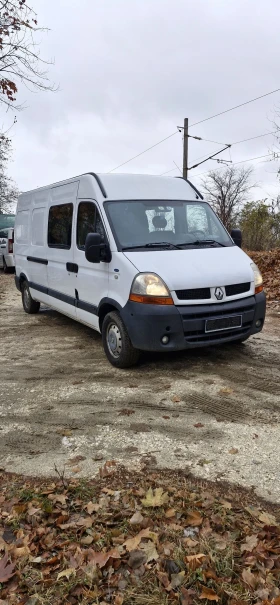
<point x="257" y="278"/>
<point x="149" y="288"/>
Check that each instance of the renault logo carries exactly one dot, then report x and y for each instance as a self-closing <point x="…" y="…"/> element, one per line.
<point x="219" y="294"/>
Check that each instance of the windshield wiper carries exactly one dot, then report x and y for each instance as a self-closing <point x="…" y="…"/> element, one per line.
<point x="154" y="245"/>
<point x="199" y="242"/>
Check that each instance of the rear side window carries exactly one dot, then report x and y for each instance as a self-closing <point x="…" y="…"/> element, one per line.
<point x="60" y="226"/>
<point x="89" y="221"/>
<point x="38" y="226"/>
<point x="21" y="229"/>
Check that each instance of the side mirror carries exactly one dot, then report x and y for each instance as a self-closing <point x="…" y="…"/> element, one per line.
<point x="93" y="247"/>
<point x="96" y="250"/>
<point x="236" y="235"/>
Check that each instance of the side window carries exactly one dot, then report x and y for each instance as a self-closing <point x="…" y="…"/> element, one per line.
<point x="89" y="221"/>
<point x="22" y="227"/>
<point x="37" y="226"/>
<point x="60" y="226"/>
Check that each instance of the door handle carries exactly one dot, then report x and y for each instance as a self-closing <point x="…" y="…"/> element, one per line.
<point x="72" y="267"/>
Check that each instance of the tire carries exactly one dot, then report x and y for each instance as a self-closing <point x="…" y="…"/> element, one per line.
<point x="30" y="306"/>
<point x="116" y="342"/>
<point x="7" y="269"/>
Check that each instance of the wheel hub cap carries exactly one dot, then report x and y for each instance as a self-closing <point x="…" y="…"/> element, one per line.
<point x="114" y="340"/>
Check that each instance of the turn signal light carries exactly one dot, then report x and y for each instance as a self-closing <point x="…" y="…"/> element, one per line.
<point x="258" y="289"/>
<point x="151" y="300"/>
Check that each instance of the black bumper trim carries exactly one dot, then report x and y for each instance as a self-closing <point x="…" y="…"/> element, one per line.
<point x="185" y="325"/>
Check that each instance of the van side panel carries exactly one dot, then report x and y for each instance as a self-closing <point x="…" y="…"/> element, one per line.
<point x="30" y="243"/>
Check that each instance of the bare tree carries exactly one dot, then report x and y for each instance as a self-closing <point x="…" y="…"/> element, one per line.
<point x="20" y="60"/>
<point x="227" y="191"/>
<point x="8" y="190"/>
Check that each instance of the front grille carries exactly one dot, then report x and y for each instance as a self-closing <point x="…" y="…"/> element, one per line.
<point x="195" y="294"/>
<point x="205" y="293"/>
<point x="237" y="289"/>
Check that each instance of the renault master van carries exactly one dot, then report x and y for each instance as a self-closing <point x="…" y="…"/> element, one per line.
<point x="142" y="259"/>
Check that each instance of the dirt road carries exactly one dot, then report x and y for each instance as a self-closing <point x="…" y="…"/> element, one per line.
<point x="215" y="412"/>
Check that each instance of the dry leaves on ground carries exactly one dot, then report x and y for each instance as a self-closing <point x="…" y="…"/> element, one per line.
<point x="124" y="539"/>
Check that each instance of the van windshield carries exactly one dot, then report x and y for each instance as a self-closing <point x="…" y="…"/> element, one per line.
<point x="153" y="224"/>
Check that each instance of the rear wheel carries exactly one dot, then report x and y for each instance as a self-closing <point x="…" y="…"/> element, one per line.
<point x="116" y="342"/>
<point x="29" y="304"/>
<point x="5" y="268"/>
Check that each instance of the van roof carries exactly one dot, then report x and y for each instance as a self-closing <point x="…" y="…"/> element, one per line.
<point x="131" y="186"/>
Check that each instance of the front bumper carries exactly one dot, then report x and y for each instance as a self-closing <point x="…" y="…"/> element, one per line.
<point x="185" y="325"/>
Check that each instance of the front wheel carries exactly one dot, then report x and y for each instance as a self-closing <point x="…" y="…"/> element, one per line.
<point x="29" y="304"/>
<point x="116" y="342"/>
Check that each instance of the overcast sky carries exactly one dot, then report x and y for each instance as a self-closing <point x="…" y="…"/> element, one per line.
<point x="129" y="71"/>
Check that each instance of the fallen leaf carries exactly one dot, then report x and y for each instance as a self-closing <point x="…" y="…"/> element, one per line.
<point x="209" y="593"/>
<point x="136" y="559"/>
<point x="132" y="543"/>
<point x="166" y="417"/>
<point x="136" y="519"/>
<point x="249" y="578"/>
<point x="150" y="551"/>
<point x="156" y="498"/>
<point x="233" y="450"/>
<point x="21" y="551"/>
<point x="66" y="573"/>
<point x="75" y="460"/>
<point x="267" y="519"/>
<point x="85" y="522"/>
<point x="187" y="596"/>
<point x="92" y="507"/>
<point x="87" y="540"/>
<point x="33" y="511"/>
<point x="225" y="391"/>
<point x="171" y="512"/>
<point x="6" y="571"/>
<point x="76" y="469"/>
<point x="64" y="432"/>
<point x="176" y="399"/>
<point x="164" y="580"/>
<point x="177" y="579"/>
<point x="101" y="558"/>
<point x="250" y="543"/>
<point x="198" y="425"/>
<point x="194" y="519"/>
<point x="195" y="561"/>
<point x="189" y="542"/>
<point x="118" y="599"/>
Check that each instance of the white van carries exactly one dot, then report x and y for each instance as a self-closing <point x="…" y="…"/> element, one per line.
<point x="7" y="262"/>
<point x="142" y="259"/>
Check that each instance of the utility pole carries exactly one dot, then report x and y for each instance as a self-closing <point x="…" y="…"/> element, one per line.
<point x="185" y="148"/>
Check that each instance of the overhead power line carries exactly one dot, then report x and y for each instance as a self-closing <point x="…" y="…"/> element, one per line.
<point x="195" y="124"/>
<point x="145" y="151"/>
<point x="236" y="107"/>
<point x="239" y="162"/>
<point x="235" y="143"/>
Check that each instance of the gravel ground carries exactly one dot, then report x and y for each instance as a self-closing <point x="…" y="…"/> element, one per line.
<point x="214" y="412"/>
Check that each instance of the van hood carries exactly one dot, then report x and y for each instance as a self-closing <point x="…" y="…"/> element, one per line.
<point x="195" y="268"/>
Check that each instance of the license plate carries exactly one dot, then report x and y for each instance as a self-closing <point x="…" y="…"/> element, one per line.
<point x="223" y="323"/>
